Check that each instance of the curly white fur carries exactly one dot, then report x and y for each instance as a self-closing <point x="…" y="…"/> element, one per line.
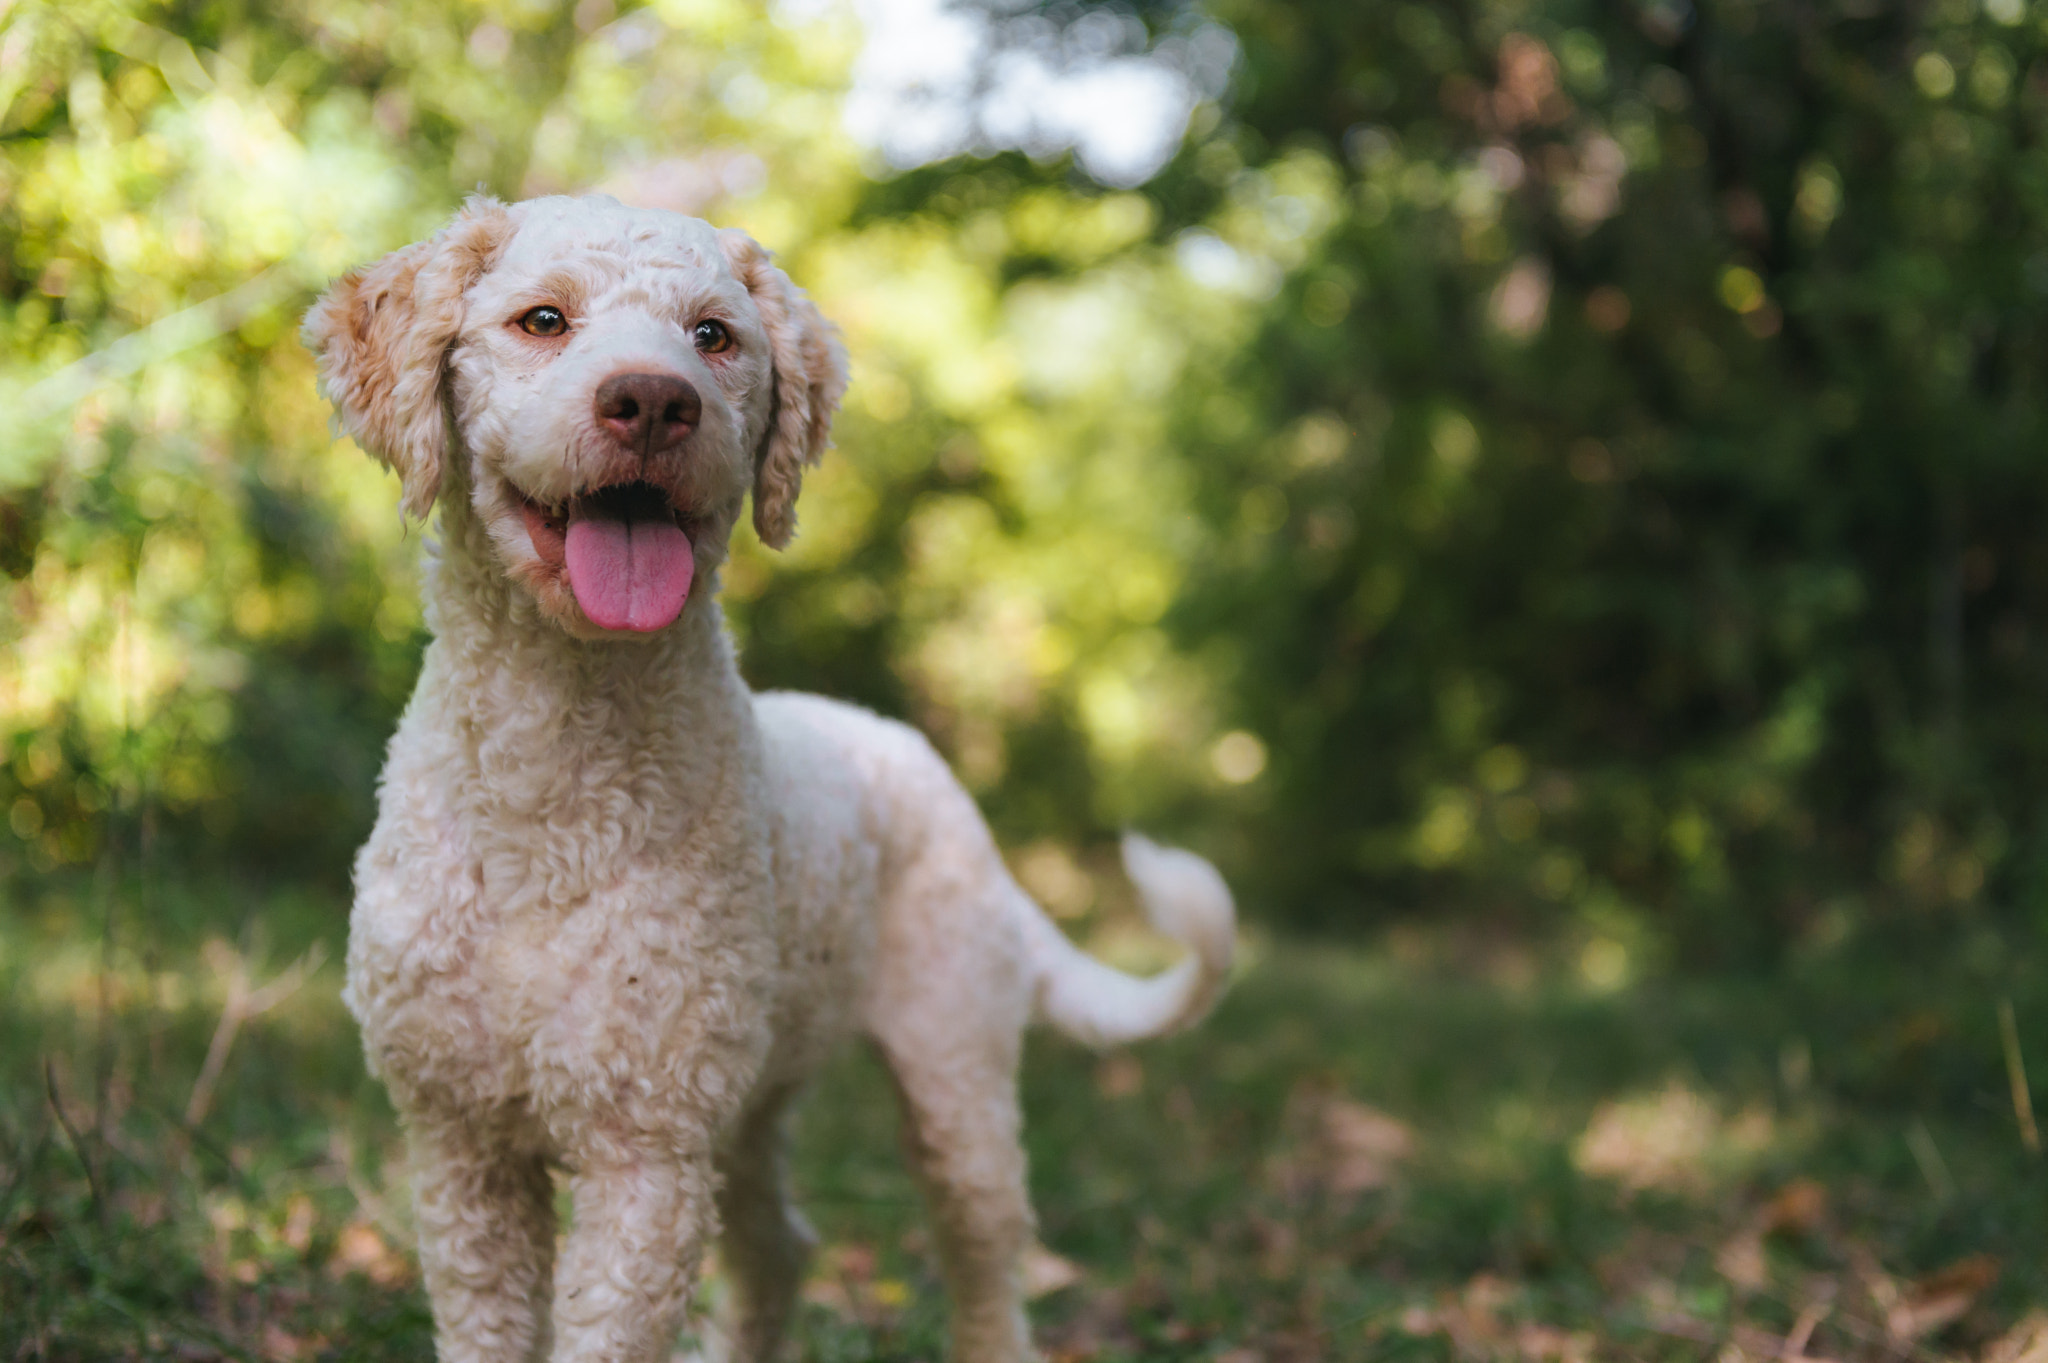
<point x="616" y="907"/>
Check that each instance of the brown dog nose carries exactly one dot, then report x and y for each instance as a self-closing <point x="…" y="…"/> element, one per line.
<point x="648" y="413"/>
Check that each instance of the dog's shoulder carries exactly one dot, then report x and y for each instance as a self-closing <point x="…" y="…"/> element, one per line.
<point x="812" y="727"/>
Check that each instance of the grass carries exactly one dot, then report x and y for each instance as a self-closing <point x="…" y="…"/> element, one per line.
<point x="1411" y="1148"/>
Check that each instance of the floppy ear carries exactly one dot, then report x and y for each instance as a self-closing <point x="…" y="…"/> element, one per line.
<point x="382" y="335"/>
<point x="810" y="376"/>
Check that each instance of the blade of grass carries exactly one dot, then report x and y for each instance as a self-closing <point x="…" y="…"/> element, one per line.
<point x="85" y="1160"/>
<point x="1932" y="1166"/>
<point x="2016" y="1076"/>
<point x="27" y="1150"/>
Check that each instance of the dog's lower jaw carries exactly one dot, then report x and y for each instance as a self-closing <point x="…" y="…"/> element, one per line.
<point x="548" y="532"/>
<point x="492" y="565"/>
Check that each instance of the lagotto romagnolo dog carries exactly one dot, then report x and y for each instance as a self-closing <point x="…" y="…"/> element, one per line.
<point x="616" y="906"/>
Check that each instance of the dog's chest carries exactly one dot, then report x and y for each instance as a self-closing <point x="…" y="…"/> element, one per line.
<point x="491" y="970"/>
<point x="419" y="980"/>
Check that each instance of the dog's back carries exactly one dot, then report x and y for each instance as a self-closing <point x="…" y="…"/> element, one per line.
<point x="907" y="858"/>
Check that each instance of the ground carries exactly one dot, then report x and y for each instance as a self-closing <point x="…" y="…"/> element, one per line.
<point x="1428" y="1144"/>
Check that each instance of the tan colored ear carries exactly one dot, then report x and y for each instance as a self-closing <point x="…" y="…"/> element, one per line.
<point x="810" y="377"/>
<point x="382" y="336"/>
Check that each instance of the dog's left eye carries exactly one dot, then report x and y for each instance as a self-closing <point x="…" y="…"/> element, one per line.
<point x="544" y="321"/>
<point x="711" y="336"/>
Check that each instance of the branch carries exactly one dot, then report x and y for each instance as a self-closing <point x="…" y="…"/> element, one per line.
<point x="54" y="395"/>
<point x="242" y="1004"/>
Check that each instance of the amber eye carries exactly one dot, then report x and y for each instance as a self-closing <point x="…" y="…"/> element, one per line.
<point x="544" y="321"/>
<point x="711" y="336"/>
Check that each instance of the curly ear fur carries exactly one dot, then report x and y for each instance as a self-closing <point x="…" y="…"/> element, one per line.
<point x="810" y="377"/>
<point x="382" y="335"/>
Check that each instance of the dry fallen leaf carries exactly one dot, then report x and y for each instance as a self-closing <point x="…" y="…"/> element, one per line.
<point x="1741" y="1259"/>
<point x="1941" y="1298"/>
<point x="1649" y="1142"/>
<point x="830" y="1295"/>
<point x="1418" y="1320"/>
<point x="840" y="1279"/>
<point x="2026" y="1342"/>
<point x="1361" y="1146"/>
<point x="1539" y="1342"/>
<point x="1337" y="1145"/>
<point x="299" y="1219"/>
<point x="1797" y="1209"/>
<point x="360" y="1249"/>
<point x="1471" y="1320"/>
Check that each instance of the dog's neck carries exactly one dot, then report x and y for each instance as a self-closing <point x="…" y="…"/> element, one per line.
<point x="642" y="737"/>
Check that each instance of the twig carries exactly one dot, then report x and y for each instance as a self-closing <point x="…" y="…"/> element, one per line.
<point x="180" y="331"/>
<point x="92" y="1176"/>
<point x="242" y="1004"/>
<point x="1803" y="1328"/>
<point x="35" y="409"/>
<point x="342" y="1151"/>
<point x="199" y="1140"/>
<point x="110" y="890"/>
<point x="2016" y="1075"/>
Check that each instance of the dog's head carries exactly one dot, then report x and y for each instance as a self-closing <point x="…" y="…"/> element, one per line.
<point x="616" y="381"/>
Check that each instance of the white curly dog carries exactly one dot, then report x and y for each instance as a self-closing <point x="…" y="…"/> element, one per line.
<point x="616" y="907"/>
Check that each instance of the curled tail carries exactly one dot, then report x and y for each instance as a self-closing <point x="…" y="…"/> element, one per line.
<point x="1101" y="1006"/>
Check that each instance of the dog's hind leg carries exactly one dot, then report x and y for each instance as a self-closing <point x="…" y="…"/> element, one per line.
<point x="765" y="1242"/>
<point x="960" y="1133"/>
<point x="948" y="998"/>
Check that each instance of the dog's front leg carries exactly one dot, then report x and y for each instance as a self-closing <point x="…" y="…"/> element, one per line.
<point x="487" y="1241"/>
<point x="642" y="1217"/>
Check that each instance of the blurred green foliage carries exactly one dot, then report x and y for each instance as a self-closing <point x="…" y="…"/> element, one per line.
<point x="1635" y="478"/>
<point x="1572" y="463"/>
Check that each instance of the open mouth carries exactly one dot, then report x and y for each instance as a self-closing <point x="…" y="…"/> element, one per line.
<point x="625" y="551"/>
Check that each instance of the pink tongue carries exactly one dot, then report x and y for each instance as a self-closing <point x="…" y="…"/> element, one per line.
<point x="629" y="574"/>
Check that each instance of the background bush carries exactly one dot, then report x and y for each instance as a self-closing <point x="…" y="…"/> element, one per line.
<point x="1576" y="465"/>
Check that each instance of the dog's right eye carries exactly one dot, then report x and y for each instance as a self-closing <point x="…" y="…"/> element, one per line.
<point x="544" y="321"/>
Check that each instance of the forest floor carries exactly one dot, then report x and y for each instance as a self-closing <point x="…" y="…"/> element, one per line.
<point x="1422" y="1146"/>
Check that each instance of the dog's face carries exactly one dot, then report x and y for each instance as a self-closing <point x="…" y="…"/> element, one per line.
<point x="618" y="380"/>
